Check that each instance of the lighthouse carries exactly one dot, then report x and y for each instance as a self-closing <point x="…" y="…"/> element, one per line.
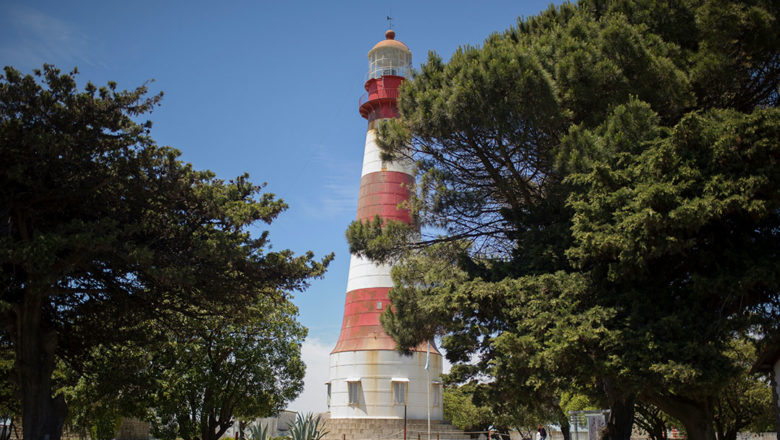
<point x="368" y="379"/>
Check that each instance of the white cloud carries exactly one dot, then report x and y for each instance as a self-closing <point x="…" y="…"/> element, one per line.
<point x="313" y="399"/>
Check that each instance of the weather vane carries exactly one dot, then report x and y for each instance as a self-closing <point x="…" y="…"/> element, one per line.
<point x="390" y="22"/>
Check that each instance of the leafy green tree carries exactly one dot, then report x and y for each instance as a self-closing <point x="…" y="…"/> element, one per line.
<point x="460" y="409"/>
<point x="108" y="386"/>
<point x="604" y="179"/>
<point x="745" y="404"/>
<point x="226" y="366"/>
<point x="679" y="235"/>
<point x="104" y="231"/>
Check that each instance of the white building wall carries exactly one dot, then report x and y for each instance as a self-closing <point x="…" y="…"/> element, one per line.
<point x="375" y="370"/>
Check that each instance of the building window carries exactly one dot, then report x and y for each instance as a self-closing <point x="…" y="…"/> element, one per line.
<point x="400" y="388"/>
<point x="353" y="387"/>
<point x="379" y="305"/>
<point x="436" y="392"/>
<point x="328" y="385"/>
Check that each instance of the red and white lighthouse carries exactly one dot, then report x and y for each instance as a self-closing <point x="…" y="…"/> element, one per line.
<point x="368" y="378"/>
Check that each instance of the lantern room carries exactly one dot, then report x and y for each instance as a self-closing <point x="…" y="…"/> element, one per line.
<point x="389" y="57"/>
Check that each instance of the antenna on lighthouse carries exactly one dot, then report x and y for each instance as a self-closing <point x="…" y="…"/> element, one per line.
<point x="389" y="22"/>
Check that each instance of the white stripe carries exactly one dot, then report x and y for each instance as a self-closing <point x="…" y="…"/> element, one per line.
<point x="363" y="274"/>
<point x="372" y="162"/>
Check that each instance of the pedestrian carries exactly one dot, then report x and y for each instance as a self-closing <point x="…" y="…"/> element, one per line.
<point x="542" y="433"/>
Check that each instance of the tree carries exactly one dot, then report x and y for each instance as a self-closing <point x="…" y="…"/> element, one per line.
<point x="104" y="231"/>
<point x="745" y="404"/>
<point x="228" y="366"/>
<point x="460" y="409"/>
<point x="605" y="187"/>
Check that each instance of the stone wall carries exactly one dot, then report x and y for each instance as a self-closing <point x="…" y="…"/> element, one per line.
<point x="381" y="429"/>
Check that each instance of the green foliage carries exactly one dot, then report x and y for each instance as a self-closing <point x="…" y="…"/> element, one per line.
<point x="381" y="241"/>
<point x="307" y="427"/>
<point x="604" y="177"/>
<point x="88" y="411"/>
<point x="697" y="205"/>
<point x="460" y="409"/>
<point x="9" y="390"/>
<point x="571" y="401"/>
<point x="224" y="366"/>
<point x="104" y="425"/>
<point x="110" y="235"/>
<point x="745" y="404"/>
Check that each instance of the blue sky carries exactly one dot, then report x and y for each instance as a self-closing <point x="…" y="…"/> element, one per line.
<point x="268" y="88"/>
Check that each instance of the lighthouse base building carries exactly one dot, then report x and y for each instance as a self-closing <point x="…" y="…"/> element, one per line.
<point x="373" y="391"/>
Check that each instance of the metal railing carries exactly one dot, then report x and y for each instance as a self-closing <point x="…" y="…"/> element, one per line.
<point x="378" y="72"/>
<point x="380" y="93"/>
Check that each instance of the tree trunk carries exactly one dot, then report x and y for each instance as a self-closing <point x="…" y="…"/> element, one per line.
<point x="698" y="427"/>
<point x="620" y="423"/>
<point x="621" y="419"/>
<point x="566" y="430"/>
<point x="563" y="422"/>
<point x="43" y="417"/>
<point x="697" y="417"/>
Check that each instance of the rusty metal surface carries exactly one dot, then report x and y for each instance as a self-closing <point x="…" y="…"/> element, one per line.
<point x="381" y="98"/>
<point x="381" y="193"/>
<point x="390" y="41"/>
<point x="361" y="329"/>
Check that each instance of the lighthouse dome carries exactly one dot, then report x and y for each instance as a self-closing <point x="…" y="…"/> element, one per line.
<point x="389" y="57"/>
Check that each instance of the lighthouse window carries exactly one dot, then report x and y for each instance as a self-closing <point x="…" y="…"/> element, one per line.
<point x="379" y="305"/>
<point x="328" y="385"/>
<point x="436" y="393"/>
<point x="389" y="61"/>
<point x="354" y="393"/>
<point x="399" y="392"/>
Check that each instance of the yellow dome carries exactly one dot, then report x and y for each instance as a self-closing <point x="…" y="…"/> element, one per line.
<point x="390" y="41"/>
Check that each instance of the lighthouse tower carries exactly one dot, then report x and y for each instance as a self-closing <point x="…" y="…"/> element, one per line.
<point x="368" y="378"/>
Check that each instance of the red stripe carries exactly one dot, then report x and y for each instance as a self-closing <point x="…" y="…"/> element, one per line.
<point x="361" y="329"/>
<point x="380" y="101"/>
<point x="381" y="193"/>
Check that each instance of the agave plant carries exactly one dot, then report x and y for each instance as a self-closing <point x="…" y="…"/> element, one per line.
<point x="307" y="428"/>
<point x="259" y="432"/>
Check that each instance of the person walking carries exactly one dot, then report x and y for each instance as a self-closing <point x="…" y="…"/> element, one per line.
<point x="542" y="434"/>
